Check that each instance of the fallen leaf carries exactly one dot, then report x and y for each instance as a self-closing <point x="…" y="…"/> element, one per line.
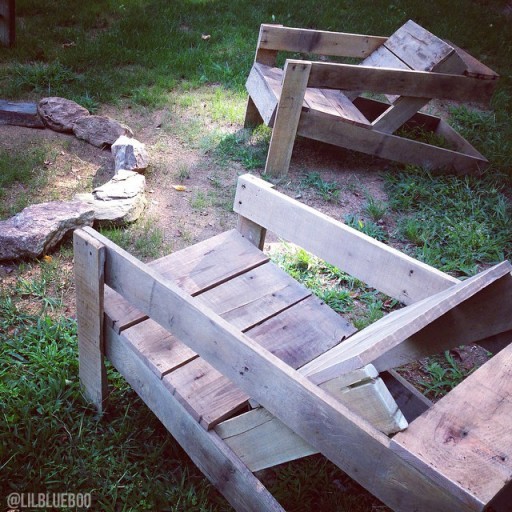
<point x="179" y="188"/>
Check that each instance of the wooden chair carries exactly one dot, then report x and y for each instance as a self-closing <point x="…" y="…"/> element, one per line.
<point x="247" y="369"/>
<point x="321" y="100"/>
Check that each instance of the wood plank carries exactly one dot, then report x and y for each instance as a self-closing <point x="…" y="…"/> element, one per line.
<point x="209" y="263"/>
<point x="319" y="42"/>
<point x="161" y="351"/>
<point x="380" y="266"/>
<point x="347" y="77"/>
<point x="261" y="440"/>
<point x="389" y="146"/>
<point x="252" y="116"/>
<point x="208" y="452"/>
<point x="264" y="92"/>
<point x="89" y="256"/>
<point x="119" y="313"/>
<point x="420" y="49"/>
<point x="294" y="85"/>
<point x="379" y="338"/>
<point x="302" y="332"/>
<point x="466" y="435"/>
<point x="474" y="67"/>
<point x="370" y="399"/>
<point x="7" y="22"/>
<point x="20" y="113"/>
<point x="207" y="395"/>
<point x="405" y="107"/>
<point x="336" y="104"/>
<point x="486" y="314"/>
<point x="255" y="296"/>
<point x="284" y="392"/>
<point x="251" y="231"/>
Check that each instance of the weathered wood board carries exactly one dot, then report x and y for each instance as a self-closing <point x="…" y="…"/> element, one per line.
<point x="20" y="114"/>
<point x="466" y="436"/>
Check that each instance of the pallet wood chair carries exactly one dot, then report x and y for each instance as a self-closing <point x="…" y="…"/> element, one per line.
<point x="317" y="100"/>
<point x="203" y="333"/>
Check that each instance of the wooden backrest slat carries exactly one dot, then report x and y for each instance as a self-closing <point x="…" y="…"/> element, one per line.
<point x="373" y="262"/>
<point x="319" y="42"/>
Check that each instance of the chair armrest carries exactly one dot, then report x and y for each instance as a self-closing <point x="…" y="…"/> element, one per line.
<point x="404" y="82"/>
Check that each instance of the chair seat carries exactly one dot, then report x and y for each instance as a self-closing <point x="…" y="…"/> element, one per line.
<point x="237" y="281"/>
<point x="264" y="86"/>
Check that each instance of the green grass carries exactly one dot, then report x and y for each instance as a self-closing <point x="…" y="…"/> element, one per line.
<point x="23" y="167"/>
<point x="340" y="291"/>
<point x="455" y="224"/>
<point x="443" y="373"/>
<point x="328" y="190"/>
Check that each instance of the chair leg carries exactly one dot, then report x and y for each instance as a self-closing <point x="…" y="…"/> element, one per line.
<point x="89" y="268"/>
<point x="252" y="115"/>
<point x="295" y="80"/>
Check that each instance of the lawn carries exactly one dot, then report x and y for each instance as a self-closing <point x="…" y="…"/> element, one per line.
<point x="189" y="59"/>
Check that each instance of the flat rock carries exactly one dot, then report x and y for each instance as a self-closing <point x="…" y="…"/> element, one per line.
<point x="100" y="131"/>
<point x="119" y="201"/>
<point x="41" y="227"/>
<point x="129" y="154"/>
<point x="124" y="185"/>
<point x="60" y="114"/>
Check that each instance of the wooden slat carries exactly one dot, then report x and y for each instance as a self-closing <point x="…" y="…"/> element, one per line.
<point x="405" y="107"/>
<point x="281" y="390"/>
<point x="264" y="91"/>
<point x="335" y="104"/>
<point x="20" y="114"/>
<point x="120" y="314"/>
<point x="475" y="68"/>
<point x="347" y="77"/>
<point x="261" y="440"/>
<point x="209" y="263"/>
<point x="486" y="314"/>
<point x="252" y="232"/>
<point x="194" y="269"/>
<point x="466" y="435"/>
<point x="210" y="454"/>
<point x="420" y="49"/>
<point x="89" y="256"/>
<point x="161" y="351"/>
<point x="255" y="296"/>
<point x="204" y="392"/>
<point x="389" y="146"/>
<point x="379" y="338"/>
<point x="294" y="85"/>
<point x="373" y="262"/>
<point x="320" y="42"/>
<point x="302" y="332"/>
<point x="369" y="397"/>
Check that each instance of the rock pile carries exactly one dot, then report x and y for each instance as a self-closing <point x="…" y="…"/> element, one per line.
<point x="39" y="228"/>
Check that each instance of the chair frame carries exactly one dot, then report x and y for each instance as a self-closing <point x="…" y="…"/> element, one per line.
<point x="459" y="77"/>
<point x="300" y="409"/>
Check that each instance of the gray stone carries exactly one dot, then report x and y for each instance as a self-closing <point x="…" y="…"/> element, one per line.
<point x="39" y="228"/>
<point x="119" y="201"/>
<point x="100" y="131"/>
<point x="60" y="114"/>
<point x="129" y="154"/>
